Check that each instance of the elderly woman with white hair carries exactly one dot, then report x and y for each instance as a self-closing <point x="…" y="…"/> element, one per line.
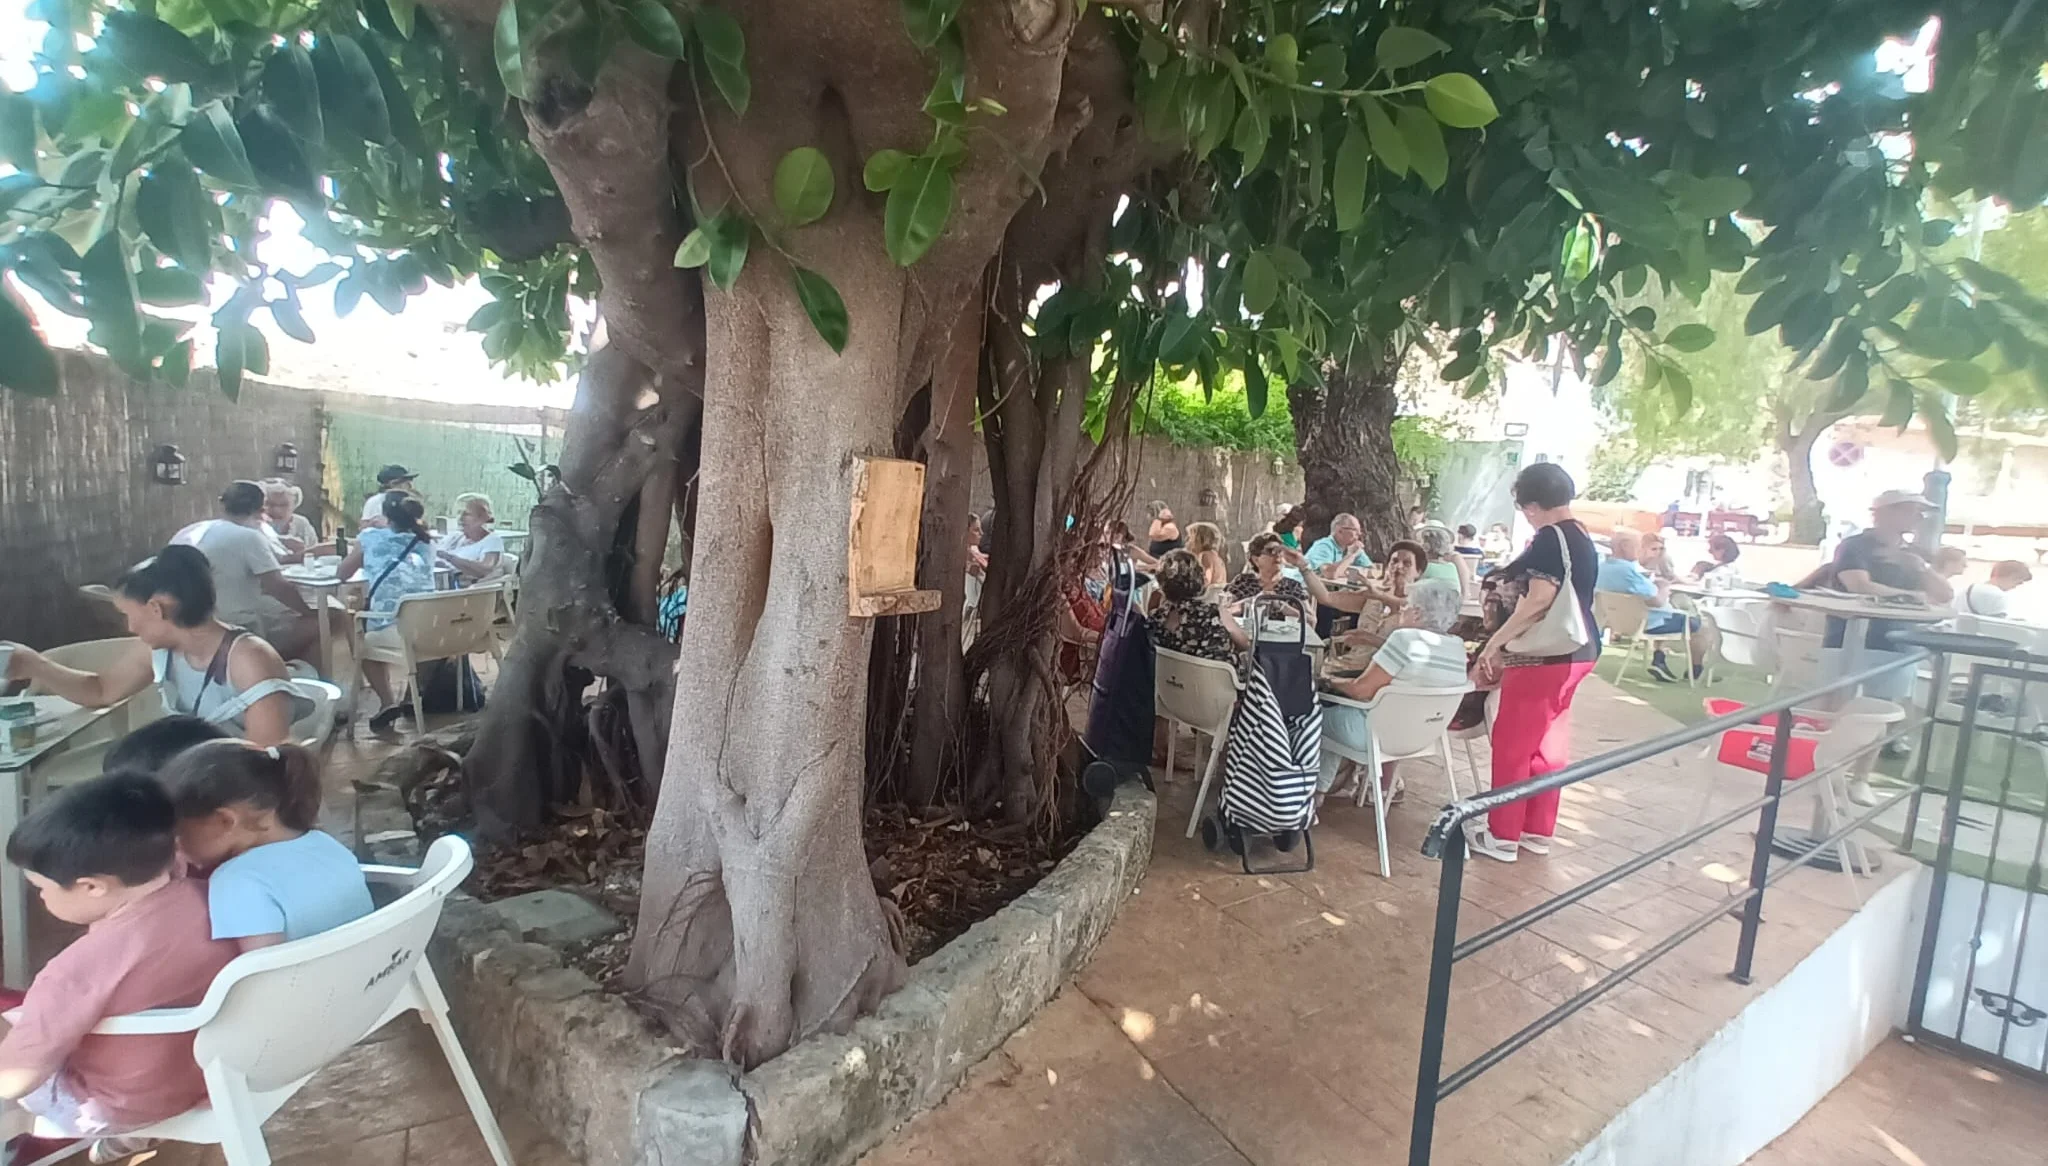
<point x="1418" y="653"/>
<point x="473" y="548"/>
<point x="293" y="532"/>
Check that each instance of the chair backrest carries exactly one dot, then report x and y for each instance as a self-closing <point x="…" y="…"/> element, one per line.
<point x="1742" y="640"/>
<point x="87" y="656"/>
<point x="437" y="625"/>
<point x="316" y="725"/>
<point x="1621" y="614"/>
<point x="1193" y="690"/>
<point x="1408" y="721"/>
<point x="283" y="1012"/>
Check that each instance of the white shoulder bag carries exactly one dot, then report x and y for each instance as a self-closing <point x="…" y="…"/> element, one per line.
<point x="1562" y="630"/>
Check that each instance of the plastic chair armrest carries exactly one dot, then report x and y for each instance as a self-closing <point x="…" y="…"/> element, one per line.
<point x="403" y="876"/>
<point x="1332" y="698"/>
<point x="155" y="1022"/>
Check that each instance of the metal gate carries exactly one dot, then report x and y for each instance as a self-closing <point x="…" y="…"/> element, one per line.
<point x="1981" y="984"/>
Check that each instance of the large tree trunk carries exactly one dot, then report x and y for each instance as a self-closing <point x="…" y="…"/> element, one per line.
<point x="1344" y="441"/>
<point x="758" y="920"/>
<point x="939" y="708"/>
<point x="528" y="755"/>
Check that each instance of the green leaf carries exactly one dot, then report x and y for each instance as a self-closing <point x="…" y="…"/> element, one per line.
<point x="351" y="98"/>
<point x="1610" y="363"/>
<point x="1898" y="409"/>
<point x="1960" y="377"/>
<point x="1459" y="101"/>
<point x="1261" y="283"/>
<point x="1250" y="135"/>
<point x="919" y="204"/>
<point x="1387" y="142"/>
<point x="290" y="320"/>
<point x="27" y="366"/>
<point x="233" y="354"/>
<point x="822" y="304"/>
<point x="1940" y="427"/>
<point x="1851" y="383"/>
<point x="803" y="185"/>
<point x="1462" y="366"/>
<point x="1715" y="198"/>
<point x="398" y="108"/>
<point x="653" y="27"/>
<point x="292" y="89"/>
<point x="1653" y="374"/>
<point x="1182" y="338"/>
<point x="17" y="130"/>
<point x="155" y="49"/>
<point x="402" y="14"/>
<point x="170" y="287"/>
<point x="1897" y="294"/>
<point x="1690" y="337"/>
<point x="1400" y="48"/>
<point x="1348" y="176"/>
<point x="109" y="292"/>
<point x="1679" y="385"/>
<point x="510" y="54"/>
<point x="176" y="367"/>
<point x="214" y="145"/>
<point x="927" y="20"/>
<point x="695" y="251"/>
<point x="883" y="169"/>
<point x="1576" y="258"/>
<point x="276" y="156"/>
<point x="730" y="235"/>
<point x="1426" y="153"/>
<point x="1255" y="385"/>
<point x="725" y="54"/>
<point x="1283" y="56"/>
<point x="177" y="215"/>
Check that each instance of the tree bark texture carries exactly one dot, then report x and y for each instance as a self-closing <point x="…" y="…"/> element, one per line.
<point x="1809" y="518"/>
<point x="1344" y="441"/>
<point x="519" y="767"/>
<point x="759" y="923"/>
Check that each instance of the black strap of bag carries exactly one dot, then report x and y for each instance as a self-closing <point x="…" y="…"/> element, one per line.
<point x="390" y="567"/>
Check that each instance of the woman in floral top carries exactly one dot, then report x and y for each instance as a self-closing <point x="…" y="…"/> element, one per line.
<point x="1187" y="623"/>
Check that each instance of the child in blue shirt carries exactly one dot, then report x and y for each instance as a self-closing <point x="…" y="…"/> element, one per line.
<point x="248" y="813"/>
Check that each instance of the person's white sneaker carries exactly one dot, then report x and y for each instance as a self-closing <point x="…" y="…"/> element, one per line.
<point x="1861" y="793"/>
<point x="1536" y="843"/>
<point x="1481" y="841"/>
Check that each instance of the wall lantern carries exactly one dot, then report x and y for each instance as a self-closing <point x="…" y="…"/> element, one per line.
<point x="1209" y="500"/>
<point x="167" y="466"/>
<point x="286" y="459"/>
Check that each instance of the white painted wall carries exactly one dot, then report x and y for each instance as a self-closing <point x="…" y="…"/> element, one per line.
<point x="1758" y="1076"/>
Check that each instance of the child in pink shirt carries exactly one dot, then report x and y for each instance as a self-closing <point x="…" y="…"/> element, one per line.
<point x="101" y="853"/>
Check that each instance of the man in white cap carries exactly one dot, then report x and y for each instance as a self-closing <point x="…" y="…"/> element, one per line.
<point x="1879" y="562"/>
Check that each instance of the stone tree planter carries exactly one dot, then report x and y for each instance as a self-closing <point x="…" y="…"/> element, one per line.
<point x="596" y="1076"/>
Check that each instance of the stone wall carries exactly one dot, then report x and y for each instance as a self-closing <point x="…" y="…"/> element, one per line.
<point x="78" y="505"/>
<point x="1239" y="490"/>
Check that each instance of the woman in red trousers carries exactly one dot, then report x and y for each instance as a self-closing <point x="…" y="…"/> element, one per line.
<point x="1532" y="727"/>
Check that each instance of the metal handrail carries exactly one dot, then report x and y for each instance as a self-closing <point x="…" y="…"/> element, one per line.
<point x="1446" y="840"/>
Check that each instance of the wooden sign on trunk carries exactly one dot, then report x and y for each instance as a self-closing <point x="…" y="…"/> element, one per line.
<point x="882" y="531"/>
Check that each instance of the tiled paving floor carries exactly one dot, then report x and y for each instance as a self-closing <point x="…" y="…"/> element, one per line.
<point x="1236" y="1020"/>
<point x="1908" y="1105"/>
<point x="1276" y="1020"/>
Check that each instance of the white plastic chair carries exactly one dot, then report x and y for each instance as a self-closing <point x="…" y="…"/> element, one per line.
<point x="1201" y="694"/>
<point x="1401" y="722"/>
<point x="1625" y="617"/>
<point x="1742" y="642"/>
<point x="276" y="1016"/>
<point x="433" y="625"/>
<point x="313" y="729"/>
